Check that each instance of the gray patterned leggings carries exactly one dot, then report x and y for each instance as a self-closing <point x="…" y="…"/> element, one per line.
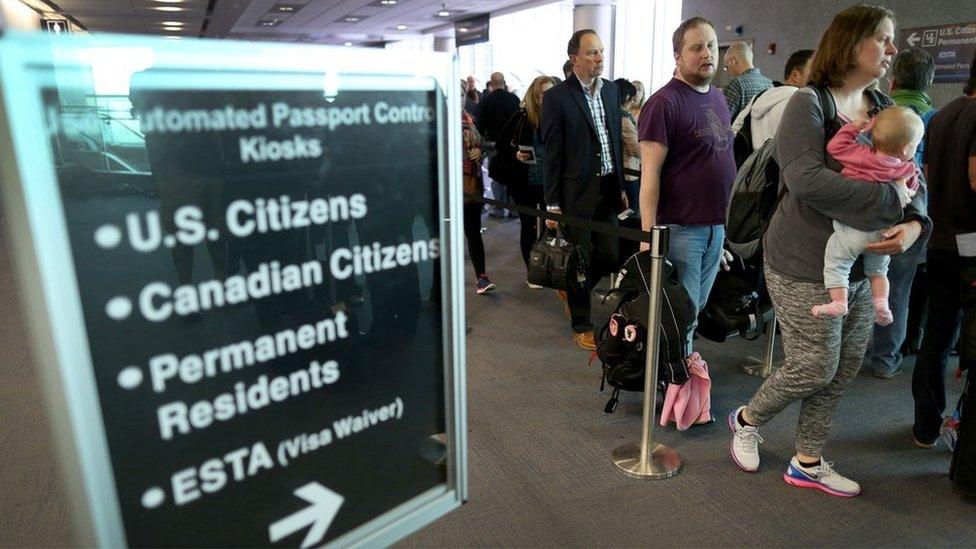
<point x="823" y="355"/>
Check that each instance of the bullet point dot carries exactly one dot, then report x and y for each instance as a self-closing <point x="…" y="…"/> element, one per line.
<point x="108" y="236"/>
<point x="118" y="308"/>
<point x="169" y="241"/>
<point x="153" y="498"/>
<point x="130" y="378"/>
<point x="213" y="234"/>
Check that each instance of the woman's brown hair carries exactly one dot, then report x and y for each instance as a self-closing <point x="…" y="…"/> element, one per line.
<point x="533" y="106"/>
<point x="836" y="56"/>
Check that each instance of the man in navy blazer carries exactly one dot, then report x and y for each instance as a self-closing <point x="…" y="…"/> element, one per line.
<point x="581" y="132"/>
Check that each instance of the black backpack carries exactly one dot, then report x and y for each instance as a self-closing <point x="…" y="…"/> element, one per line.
<point x="620" y="344"/>
<point x="756" y="192"/>
<point x="962" y="472"/>
<point x="738" y="302"/>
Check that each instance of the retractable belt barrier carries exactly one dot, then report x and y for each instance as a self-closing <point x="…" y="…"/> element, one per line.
<point x="646" y="459"/>
<point x="606" y="228"/>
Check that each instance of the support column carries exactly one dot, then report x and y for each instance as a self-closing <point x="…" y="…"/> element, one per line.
<point x="599" y="17"/>
<point x="445" y="44"/>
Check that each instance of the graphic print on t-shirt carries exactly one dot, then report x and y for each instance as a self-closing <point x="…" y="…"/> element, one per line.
<point x="718" y="134"/>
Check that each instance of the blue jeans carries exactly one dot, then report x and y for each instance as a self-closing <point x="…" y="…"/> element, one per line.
<point x="695" y="252"/>
<point x="884" y="351"/>
<point x="632" y="188"/>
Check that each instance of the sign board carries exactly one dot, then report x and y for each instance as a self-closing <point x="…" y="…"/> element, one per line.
<point x="472" y="30"/>
<point x="243" y="284"/>
<point x="952" y="47"/>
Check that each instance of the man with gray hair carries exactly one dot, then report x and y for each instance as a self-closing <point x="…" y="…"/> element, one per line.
<point x="912" y="72"/>
<point x="494" y="110"/>
<point x="747" y="82"/>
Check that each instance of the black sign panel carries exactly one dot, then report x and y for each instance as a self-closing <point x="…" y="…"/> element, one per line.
<point x="473" y="30"/>
<point x="55" y="26"/>
<point x="259" y="275"/>
<point x="952" y="47"/>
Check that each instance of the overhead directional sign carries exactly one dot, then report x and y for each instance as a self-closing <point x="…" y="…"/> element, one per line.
<point x="244" y="284"/>
<point x="951" y="46"/>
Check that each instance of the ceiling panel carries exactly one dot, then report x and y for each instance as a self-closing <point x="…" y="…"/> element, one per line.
<point x="322" y="21"/>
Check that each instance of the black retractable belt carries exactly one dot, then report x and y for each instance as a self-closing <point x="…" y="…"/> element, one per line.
<point x="605" y="228"/>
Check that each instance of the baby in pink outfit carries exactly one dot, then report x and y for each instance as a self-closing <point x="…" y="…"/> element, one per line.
<point x="895" y="134"/>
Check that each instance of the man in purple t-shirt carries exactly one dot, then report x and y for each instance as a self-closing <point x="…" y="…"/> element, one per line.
<point x="685" y="134"/>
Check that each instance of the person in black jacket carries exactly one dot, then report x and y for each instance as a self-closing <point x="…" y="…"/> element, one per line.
<point x="581" y="132"/>
<point x="494" y="111"/>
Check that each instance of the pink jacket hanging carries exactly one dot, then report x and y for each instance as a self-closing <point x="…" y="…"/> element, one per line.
<point x="691" y="402"/>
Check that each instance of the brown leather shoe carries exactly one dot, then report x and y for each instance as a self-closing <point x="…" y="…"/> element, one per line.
<point x="585" y="340"/>
<point x="565" y="299"/>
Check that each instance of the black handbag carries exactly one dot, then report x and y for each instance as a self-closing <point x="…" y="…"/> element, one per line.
<point x="556" y="263"/>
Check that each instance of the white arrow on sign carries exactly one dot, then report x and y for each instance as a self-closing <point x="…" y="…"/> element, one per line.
<point x="913" y="39"/>
<point x="324" y="505"/>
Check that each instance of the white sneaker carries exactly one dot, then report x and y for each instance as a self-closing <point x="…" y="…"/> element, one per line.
<point x="744" y="447"/>
<point x="533" y="286"/>
<point x="822" y="477"/>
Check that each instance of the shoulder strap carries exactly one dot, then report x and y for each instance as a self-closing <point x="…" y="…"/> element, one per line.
<point x="827" y="104"/>
<point x="881" y="102"/>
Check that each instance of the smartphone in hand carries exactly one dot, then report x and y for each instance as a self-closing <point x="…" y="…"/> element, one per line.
<point x="530" y="150"/>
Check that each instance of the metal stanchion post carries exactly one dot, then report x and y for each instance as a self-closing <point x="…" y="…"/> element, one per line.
<point x="764" y="366"/>
<point x="767" y="366"/>
<point x="650" y="460"/>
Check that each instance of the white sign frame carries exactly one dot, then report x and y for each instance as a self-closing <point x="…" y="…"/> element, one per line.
<point x="51" y="297"/>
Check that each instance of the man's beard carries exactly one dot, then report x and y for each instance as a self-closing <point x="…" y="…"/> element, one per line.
<point x="696" y="79"/>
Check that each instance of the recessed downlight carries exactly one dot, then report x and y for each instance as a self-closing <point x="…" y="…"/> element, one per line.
<point x="388" y="2"/>
<point x="443" y="13"/>
<point x="348" y="44"/>
<point x="169" y="8"/>
<point x="401" y="27"/>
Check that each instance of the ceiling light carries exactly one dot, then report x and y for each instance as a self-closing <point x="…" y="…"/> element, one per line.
<point x="169" y="8"/>
<point x="401" y="27"/>
<point x="443" y="13"/>
<point x="350" y="19"/>
<point x="348" y="44"/>
<point x="170" y="1"/>
<point x="462" y="29"/>
<point x="388" y="2"/>
<point x="173" y="29"/>
<point x="173" y="23"/>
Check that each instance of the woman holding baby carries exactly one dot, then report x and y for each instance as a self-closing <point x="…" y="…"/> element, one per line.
<point x="872" y="199"/>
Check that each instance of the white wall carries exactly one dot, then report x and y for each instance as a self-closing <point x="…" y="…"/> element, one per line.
<point x="15" y="15"/>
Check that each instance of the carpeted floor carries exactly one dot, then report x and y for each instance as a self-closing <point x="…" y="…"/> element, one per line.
<point x="539" y="452"/>
<point x="540" y="444"/>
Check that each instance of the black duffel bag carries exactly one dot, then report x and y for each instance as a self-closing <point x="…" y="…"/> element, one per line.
<point x="962" y="471"/>
<point x="556" y="263"/>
